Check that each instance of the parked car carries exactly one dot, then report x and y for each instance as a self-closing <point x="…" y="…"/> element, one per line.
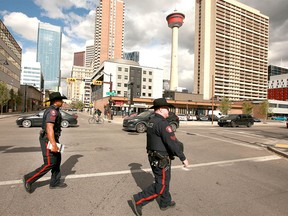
<point x="279" y="118"/>
<point x="202" y="118"/>
<point x="35" y="120"/>
<point x="139" y="123"/>
<point x="235" y="120"/>
<point x="256" y="119"/>
<point x="216" y="115"/>
<point x="182" y="117"/>
<point x="191" y="118"/>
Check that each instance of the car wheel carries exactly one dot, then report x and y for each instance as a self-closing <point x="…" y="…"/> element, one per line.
<point x="173" y="126"/>
<point x="64" y="124"/>
<point x="220" y="125"/>
<point x="233" y="124"/>
<point x="26" y="123"/>
<point x="249" y="124"/>
<point x="141" y="128"/>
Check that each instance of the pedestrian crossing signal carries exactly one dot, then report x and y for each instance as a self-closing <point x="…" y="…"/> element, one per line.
<point x="97" y="82"/>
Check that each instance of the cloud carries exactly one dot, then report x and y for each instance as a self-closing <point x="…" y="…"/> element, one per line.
<point x="24" y="26"/>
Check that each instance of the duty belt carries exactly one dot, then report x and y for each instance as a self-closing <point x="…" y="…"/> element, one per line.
<point x="156" y="154"/>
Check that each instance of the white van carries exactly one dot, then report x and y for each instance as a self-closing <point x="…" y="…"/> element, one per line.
<point x="216" y="115"/>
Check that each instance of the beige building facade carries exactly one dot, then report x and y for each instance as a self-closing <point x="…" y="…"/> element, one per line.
<point x="77" y="87"/>
<point x="231" y="51"/>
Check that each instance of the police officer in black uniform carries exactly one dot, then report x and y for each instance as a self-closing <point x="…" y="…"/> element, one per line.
<point x="51" y="130"/>
<point x="162" y="146"/>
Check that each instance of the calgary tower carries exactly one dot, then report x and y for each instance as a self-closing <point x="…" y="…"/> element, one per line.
<point x="175" y="21"/>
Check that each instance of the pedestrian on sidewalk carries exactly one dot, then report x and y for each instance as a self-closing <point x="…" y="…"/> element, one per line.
<point x="51" y="131"/>
<point x="162" y="146"/>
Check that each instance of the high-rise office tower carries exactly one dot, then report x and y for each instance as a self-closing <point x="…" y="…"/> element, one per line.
<point x="231" y="50"/>
<point x="89" y="54"/>
<point x="109" y="31"/>
<point x="79" y="59"/>
<point x="49" y="54"/>
<point x="134" y="56"/>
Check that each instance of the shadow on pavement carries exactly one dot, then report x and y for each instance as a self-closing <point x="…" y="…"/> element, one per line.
<point x="66" y="169"/>
<point x="142" y="178"/>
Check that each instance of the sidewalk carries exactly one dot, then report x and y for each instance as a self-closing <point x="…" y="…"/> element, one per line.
<point x="13" y="114"/>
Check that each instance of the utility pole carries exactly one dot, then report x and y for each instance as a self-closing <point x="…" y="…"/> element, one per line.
<point x="130" y="85"/>
<point x="212" y="117"/>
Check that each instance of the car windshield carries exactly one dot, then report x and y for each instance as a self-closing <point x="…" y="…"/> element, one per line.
<point x="144" y="114"/>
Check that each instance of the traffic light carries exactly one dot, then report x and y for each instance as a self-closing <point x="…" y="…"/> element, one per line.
<point x="71" y="80"/>
<point x="97" y="82"/>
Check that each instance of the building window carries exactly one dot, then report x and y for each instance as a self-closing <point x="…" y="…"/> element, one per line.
<point x="150" y="72"/>
<point x="150" y="80"/>
<point x="144" y="79"/>
<point x="283" y="106"/>
<point x="125" y="93"/>
<point x="119" y="76"/>
<point x="144" y="94"/>
<point x="144" y="86"/>
<point x="118" y="92"/>
<point x="144" y="72"/>
<point x="119" y="84"/>
<point x="125" y="85"/>
<point x="149" y="95"/>
<point x="150" y="87"/>
<point x="126" y="69"/>
<point x="126" y="77"/>
<point x="119" y="69"/>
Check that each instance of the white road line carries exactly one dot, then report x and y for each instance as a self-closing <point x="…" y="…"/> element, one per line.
<point x="227" y="141"/>
<point x="123" y="172"/>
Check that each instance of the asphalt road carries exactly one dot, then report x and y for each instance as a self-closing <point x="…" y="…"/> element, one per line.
<point x="230" y="173"/>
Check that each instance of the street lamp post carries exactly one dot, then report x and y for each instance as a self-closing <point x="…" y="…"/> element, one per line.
<point x="25" y="98"/>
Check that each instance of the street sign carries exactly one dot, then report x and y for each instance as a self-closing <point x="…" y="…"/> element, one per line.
<point x="113" y="93"/>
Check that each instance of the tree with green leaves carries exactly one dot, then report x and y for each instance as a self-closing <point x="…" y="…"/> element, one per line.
<point x="18" y="99"/>
<point x="78" y="105"/>
<point x="247" y="107"/>
<point x="4" y="95"/>
<point x="12" y="98"/>
<point x="264" y="109"/>
<point x="225" y="105"/>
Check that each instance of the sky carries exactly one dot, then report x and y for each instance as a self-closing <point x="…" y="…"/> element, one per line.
<point x="146" y="30"/>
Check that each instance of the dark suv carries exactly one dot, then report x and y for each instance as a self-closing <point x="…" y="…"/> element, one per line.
<point x="235" y="120"/>
<point x="139" y="122"/>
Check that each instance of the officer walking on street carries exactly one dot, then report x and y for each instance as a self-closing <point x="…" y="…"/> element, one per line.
<point x="51" y="130"/>
<point x="162" y="146"/>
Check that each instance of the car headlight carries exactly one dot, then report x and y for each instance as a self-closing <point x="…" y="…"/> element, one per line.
<point x="19" y="118"/>
<point x="228" y="120"/>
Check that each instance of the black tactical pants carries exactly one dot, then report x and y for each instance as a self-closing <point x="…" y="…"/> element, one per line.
<point x="160" y="188"/>
<point x="52" y="161"/>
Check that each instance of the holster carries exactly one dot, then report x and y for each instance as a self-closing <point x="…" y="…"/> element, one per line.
<point x="158" y="160"/>
<point x="42" y="133"/>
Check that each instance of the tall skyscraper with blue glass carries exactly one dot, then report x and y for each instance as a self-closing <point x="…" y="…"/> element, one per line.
<point x="49" y="54"/>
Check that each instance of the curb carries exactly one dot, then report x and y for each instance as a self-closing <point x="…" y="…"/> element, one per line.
<point x="277" y="151"/>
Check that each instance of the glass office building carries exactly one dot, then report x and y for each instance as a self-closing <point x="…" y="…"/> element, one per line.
<point x="49" y="54"/>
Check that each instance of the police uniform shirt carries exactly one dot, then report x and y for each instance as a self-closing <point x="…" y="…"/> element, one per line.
<point x="161" y="138"/>
<point x="52" y="115"/>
